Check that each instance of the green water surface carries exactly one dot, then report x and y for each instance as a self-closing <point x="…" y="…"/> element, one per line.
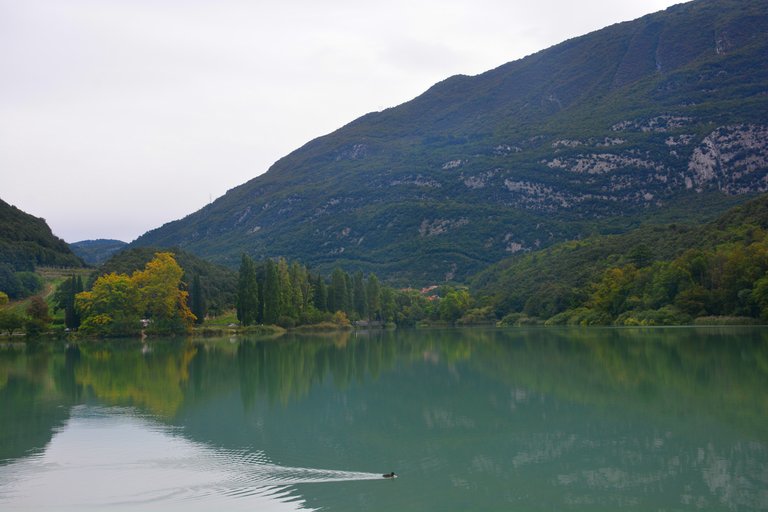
<point x="470" y="419"/>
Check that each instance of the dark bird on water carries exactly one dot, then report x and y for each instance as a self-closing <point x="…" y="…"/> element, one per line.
<point x="390" y="475"/>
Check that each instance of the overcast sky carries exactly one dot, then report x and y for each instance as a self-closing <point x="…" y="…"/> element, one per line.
<point x="117" y="116"/>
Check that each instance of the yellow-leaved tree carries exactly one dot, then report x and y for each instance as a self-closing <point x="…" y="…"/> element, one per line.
<point x="116" y="303"/>
<point x="164" y="302"/>
<point x="111" y="308"/>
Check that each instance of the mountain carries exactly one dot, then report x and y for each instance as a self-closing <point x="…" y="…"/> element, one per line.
<point x="660" y="118"/>
<point x="26" y="242"/>
<point x="95" y="252"/>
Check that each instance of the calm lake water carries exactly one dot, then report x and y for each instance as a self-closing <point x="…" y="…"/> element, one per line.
<point x="472" y="419"/>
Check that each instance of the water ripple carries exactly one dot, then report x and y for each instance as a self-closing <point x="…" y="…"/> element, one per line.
<point x="150" y="466"/>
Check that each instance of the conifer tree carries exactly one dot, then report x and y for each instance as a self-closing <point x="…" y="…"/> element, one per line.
<point x="64" y="298"/>
<point x="320" y="294"/>
<point x="197" y="300"/>
<point x="348" y="301"/>
<point x="337" y="292"/>
<point x="271" y="294"/>
<point x="247" y="292"/>
<point x="285" y="307"/>
<point x="388" y="305"/>
<point x="359" y="300"/>
<point x="300" y="288"/>
<point x="38" y="320"/>
<point x="373" y="295"/>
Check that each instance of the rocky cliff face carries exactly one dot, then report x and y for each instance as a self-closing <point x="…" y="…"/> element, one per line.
<point x="636" y="121"/>
<point x="733" y="159"/>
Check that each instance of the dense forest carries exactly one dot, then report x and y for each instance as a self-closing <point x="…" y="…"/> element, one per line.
<point x="276" y="292"/>
<point x="652" y="275"/>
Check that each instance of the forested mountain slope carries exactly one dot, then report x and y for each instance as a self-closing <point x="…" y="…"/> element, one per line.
<point x="664" y="117"/>
<point x="717" y="268"/>
<point x="26" y="242"/>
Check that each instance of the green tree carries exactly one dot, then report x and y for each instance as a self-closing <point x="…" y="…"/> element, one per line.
<point x="410" y="307"/>
<point x="320" y="294"/>
<point x="388" y="305"/>
<point x="197" y="300"/>
<point x="301" y="295"/>
<point x="9" y="282"/>
<point x="271" y="294"/>
<point x="454" y="304"/>
<point x="19" y="284"/>
<point x="640" y="256"/>
<point x="296" y="292"/>
<point x="247" y="292"/>
<point x="337" y="292"/>
<point x="667" y="281"/>
<point x="373" y="296"/>
<point x="64" y="299"/>
<point x="760" y="296"/>
<point x="359" y="300"/>
<point x="614" y="289"/>
<point x="10" y="321"/>
<point x="4" y="299"/>
<point x="38" y="320"/>
<point x="348" y="299"/>
<point x="112" y="307"/>
<point x="284" y="289"/>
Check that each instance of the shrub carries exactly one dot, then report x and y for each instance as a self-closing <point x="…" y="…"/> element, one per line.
<point x="477" y="316"/>
<point x="725" y="320"/>
<point x="668" y="315"/>
<point x="340" y="318"/>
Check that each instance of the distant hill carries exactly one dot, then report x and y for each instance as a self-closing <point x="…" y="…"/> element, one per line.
<point x="95" y="252"/>
<point x="660" y="118"/>
<point x="219" y="283"/>
<point x="26" y="242"/>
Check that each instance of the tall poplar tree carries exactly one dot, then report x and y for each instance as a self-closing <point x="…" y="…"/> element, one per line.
<point x="197" y="300"/>
<point x="271" y="294"/>
<point x="284" y="290"/>
<point x="337" y="292"/>
<point x="64" y="298"/>
<point x="388" y="305"/>
<point x="320" y="294"/>
<point x="373" y="295"/>
<point x="348" y="301"/>
<point x="247" y="292"/>
<point x="300" y="288"/>
<point x="359" y="300"/>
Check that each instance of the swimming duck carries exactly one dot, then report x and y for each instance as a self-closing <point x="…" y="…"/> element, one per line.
<point x="390" y="475"/>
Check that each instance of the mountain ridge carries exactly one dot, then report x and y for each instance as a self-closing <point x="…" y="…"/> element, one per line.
<point x="95" y="252"/>
<point x="603" y="130"/>
<point x="27" y="242"/>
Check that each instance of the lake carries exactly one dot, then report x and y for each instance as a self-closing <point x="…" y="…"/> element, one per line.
<point x="470" y="419"/>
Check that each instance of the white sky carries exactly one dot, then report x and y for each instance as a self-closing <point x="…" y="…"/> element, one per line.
<point x="117" y="116"/>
